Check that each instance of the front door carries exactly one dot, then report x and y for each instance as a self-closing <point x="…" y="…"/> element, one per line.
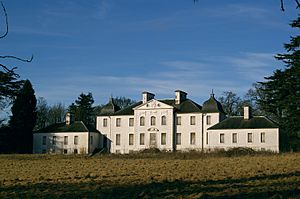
<point x="152" y="139"/>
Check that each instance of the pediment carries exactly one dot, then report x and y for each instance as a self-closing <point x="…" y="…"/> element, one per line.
<point x="153" y="104"/>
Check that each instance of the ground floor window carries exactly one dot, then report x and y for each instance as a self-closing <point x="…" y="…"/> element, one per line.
<point x="118" y="139"/>
<point x="163" y="139"/>
<point x="65" y="151"/>
<point x="142" y="138"/>
<point x="250" y="137"/>
<point x="44" y="140"/>
<point x="234" y="138"/>
<point x="130" y="139"/>
<point x="75" y="151"/>
<point x="222" y="138"/>
<point x="178" y="138"/>
<point x="262" y="137"/>
<point x="192" y="138"/>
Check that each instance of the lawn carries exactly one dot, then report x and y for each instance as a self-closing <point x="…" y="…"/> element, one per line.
<point x="159" y="175"/>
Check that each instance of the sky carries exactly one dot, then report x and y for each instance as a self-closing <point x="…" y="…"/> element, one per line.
<point x="122" y="48"/>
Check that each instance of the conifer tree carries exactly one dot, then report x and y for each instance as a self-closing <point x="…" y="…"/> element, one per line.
<point x="23" y="119"/>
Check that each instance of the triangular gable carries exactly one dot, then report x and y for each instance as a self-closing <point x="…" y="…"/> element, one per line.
<point x="153" y="104"/>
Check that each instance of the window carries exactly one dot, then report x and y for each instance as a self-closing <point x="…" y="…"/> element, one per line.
<point x="178" y="138"/>
<point x="118" y="139"/>
<point x="192" y="138"/>
<point x="163" y="138"/>
<point x="130" y="139"/>
<point x="178" y="120"/>
<point x="75" y="151"/>
<point x="131" y="121"/>
<point x="65" y="151"/>
<point x="193" y="120"/>
<point x="76" y="140"/>
<point x="91" y="139"/>
<point x="54" y="140"/>
<point x="142" y="138"/>
<point x="44" y="151"/>
<point x="65" y="140"/>
<point x="163" y="120"/>
<point x="118" y="122"/>
<point x="105" y="122"/>
<point x="222" y="138"/>
<point x="208" y="120"/>
<point x="249" y="137"/>
<point x="206" y="137"/>
<point x="142" y="121"/>
<point x="44" y="141"/>
<point x="262" y="137"/>
<point x="234" y="138"/>
<point x="152" y="122"/>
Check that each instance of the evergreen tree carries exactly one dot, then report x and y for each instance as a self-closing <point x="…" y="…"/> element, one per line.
<point x="23" y="119"/>
<point x="281" y="91"/>
<point x="83" y="109"/>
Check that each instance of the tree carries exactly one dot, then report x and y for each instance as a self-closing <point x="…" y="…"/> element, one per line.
<point x="56" y="113"/>
<point x="123" y="102"/>
<point x="232" y="104"/>
<point x="42" y="110"/>
<point x="281" y="91"/>
<point x="23" y="119"/>
<point x="83" y="109"/>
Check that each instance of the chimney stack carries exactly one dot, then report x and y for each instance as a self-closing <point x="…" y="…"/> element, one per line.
<point x="247" y="113"/>
<point x="180" y="96"/>
<point x="147" y="96"/>
<point x="69" y="118"/>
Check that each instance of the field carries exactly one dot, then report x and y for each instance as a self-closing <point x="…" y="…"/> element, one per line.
<point x="150" y="176"/>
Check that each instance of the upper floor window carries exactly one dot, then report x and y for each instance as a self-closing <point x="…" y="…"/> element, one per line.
<point x="142" y="121"/>
<point x="153" y="120"/>
<point x="178" y="120"/>
<point x="76" y="140"/>
<point x="66" y="140"/>
<point x="262" y="137"/>
<point x="131" y="121"/>
<point x="44" y="140"/>
<point x="250" y="138"/>
<point x="222" y="138"/>
<point x="105" y="122"/>
<point x="193" y="120"/>
<point x="163" y="120"/>
<point x="118" y="122"/>
<point x="208" y="120"/>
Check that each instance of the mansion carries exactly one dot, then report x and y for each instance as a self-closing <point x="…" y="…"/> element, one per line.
<point x="177" y="124"/>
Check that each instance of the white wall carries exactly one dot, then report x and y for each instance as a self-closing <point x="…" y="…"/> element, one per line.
<point x="271" y="139"/>
<point x="82" y="146"/>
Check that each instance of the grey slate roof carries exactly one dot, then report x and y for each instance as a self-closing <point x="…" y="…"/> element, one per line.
<point x="128" y="110"/>
<point x="77" y="126"/>
<point x="238" y="122"/>
<point x="212" y="106"/>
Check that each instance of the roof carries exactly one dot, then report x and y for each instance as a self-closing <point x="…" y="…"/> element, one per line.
<point x="212" y="106"/>
<point x="77" y="126"/>
<point x="128" y="110"/>
<point x="187" y="106"/>
<point x="238" y="122"/>
<point x="110" y="108"/>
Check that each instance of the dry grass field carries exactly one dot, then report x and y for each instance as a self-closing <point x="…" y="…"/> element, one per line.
<point x="150" y="176"/>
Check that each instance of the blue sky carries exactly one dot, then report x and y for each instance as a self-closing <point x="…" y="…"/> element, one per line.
<point x="121" y="48"/>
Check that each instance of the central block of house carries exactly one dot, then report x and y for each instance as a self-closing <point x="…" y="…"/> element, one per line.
<point x="182" y="124"/>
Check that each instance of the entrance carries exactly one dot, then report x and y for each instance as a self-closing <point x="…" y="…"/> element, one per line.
<point x="152" y="139"/>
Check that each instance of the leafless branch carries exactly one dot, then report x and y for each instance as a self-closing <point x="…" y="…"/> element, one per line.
<point x="281" y="5"/>
<point x="10" y="70"/>
<point x="17" y="58"/>
<point x="298" y="4"/>
<point x="6" y="21"/>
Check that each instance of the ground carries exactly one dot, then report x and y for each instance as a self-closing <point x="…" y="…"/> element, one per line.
<point x="150" y="176"/>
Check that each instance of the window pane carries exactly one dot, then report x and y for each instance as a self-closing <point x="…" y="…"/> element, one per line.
<point x="130" y="139"/>
<point x="118" y="136"/>
<point x="192" y="120"/>
<point x="163" y="120"/>
<point x="152" y="122"/>
<point x="178" y="138"/>
<point x="234" y="138"/>
<point x="104" y="122"/>
<point x="178" y="120"/>
<point x="65" y="140"/>
<point x="208" y="120"/>
<point x="207" y="138"/>
<point x="192" y="138"/>
<point x="142" y="139"/>
<point x="142" y="121"/>
<point x="131" y="121"/>
<point x="262" y="137"/>
<point x="222" y="138"/>
<point x="163" y="138"/>
<point x="118" y="122"/>
<point x="249" y="137"/>
<point x="76" y="140"/>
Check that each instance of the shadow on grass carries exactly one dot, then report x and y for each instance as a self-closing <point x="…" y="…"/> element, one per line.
<point x="264" y="186"/>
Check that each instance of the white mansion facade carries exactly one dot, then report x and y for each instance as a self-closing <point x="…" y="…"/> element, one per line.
<point x="178" y="124"/>
<point x="182" y="124"/>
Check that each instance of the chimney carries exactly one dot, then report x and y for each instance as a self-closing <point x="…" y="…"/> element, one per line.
<point x="147" y="96"/>
<point x="247" y="113"/>
<point x="69" y="118"/>
<point x="180" y="96"/>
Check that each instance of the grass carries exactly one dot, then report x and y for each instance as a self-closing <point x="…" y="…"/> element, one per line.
<point x="161" y="175"/>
